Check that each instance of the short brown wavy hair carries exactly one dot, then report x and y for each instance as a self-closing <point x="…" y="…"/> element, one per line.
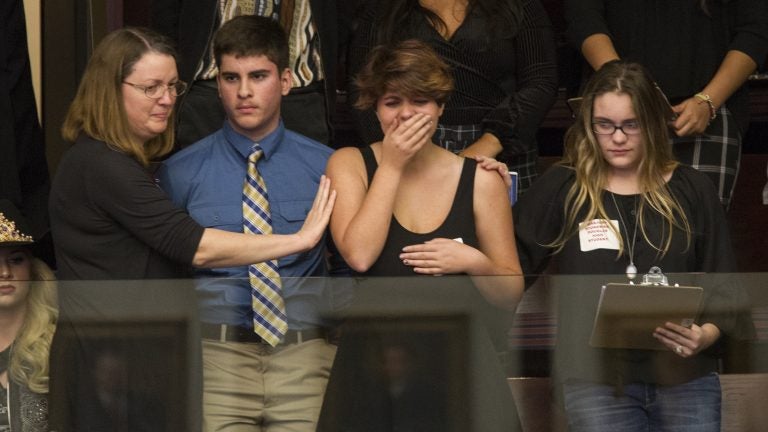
<point x="409" y="67"/>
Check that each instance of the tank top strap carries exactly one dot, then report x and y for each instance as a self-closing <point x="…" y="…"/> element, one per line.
<point x="466" y="190"/>
<point x="370" y="162"/>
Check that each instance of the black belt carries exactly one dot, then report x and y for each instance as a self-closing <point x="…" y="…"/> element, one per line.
<point x="233" y="333"/>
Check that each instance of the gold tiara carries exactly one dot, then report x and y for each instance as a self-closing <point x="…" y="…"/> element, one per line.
<point x="9" y="233"/>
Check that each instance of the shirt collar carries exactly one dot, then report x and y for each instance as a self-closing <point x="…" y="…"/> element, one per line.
<point x="244" y="145"/>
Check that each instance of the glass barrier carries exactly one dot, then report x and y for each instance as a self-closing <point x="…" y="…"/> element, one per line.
<point x="419" y="353"/>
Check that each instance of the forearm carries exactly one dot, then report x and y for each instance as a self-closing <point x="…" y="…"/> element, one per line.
<point x="695" y="113"/>
<point x="598" y="49"/>
<point x="487" y="145"/>
<point x="499" y="281"/>
<point x="504" y="289"/>
<point x="366" y="232"/>
<point x="732" y="73"/>
<point x="219" y="248"/>
<point x="497" y="272"/>
<point x="710" y="335"/>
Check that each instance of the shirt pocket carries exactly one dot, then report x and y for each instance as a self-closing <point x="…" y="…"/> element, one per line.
<point x="287" y="218"/>
<point x="223" y="217"/>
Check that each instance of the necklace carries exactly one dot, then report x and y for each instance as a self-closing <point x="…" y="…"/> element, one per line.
<point x="631" y="269"/>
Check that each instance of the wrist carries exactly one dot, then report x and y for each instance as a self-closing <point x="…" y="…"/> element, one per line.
<point x="302" y="242"/>
<point x="712" y="334"/>
<point x="705" y="98"/>
<point x="390" y="169"/>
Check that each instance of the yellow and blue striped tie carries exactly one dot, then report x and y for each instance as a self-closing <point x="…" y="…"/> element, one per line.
<point x="269" y="319"/>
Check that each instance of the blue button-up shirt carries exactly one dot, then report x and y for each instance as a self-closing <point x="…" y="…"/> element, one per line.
<point x="207" y="180"/>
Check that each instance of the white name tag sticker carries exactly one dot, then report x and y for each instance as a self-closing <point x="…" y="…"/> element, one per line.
<point x="597" y="234"/>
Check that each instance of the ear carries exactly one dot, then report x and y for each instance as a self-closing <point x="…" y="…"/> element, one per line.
<point x="218" y="85"/>
<point x="440" y="111"/>
<point x="286" y="81"/>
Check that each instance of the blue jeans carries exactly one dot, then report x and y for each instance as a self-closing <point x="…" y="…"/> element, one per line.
<point x="690" y="407"/>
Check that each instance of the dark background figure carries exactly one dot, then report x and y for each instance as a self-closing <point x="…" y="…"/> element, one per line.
<point x="23" y="168"/>
<point x="397" y="388"/>
<point x="311" y="103"/>
<point x="503" y="59"/>
<point x="700" y="53"/>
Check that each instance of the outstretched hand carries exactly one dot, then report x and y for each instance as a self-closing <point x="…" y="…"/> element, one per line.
<point x="319" y="215"/>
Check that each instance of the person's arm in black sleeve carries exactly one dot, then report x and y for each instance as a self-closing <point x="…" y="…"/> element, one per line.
<point x="747" y="48"/>
<point x="588" y="31"/>
<point x="363" y="40"/>
<point x="725" y="300"/>
<point x="750" y="29"/>
<point x="538" y="219"/>
<point x="516" y="119"/>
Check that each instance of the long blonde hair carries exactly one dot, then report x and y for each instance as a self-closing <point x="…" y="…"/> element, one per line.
<point x="584" y="155"/>
<point x="31" y="348"/>
<point x="98" y="111"/>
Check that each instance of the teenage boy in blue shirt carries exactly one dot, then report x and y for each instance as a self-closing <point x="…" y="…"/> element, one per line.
<point x="247" y="381"/>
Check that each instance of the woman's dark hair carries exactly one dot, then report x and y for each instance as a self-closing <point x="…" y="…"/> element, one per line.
<point x="500" y="15"/>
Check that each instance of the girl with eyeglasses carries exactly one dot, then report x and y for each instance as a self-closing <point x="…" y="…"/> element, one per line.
<point x="701" y="53"/>
<point x="616" y="205"/>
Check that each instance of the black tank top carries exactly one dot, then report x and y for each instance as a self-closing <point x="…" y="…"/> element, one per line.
<point x="460" y="222"/>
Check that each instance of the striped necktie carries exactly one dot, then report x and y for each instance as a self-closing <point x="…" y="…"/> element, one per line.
<point x="269" y="320"/>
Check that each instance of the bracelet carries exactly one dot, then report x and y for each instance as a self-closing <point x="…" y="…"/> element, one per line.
<point x="703" y="97"/>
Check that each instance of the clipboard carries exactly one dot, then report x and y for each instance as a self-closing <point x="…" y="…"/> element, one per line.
<point x="628" y="314"/>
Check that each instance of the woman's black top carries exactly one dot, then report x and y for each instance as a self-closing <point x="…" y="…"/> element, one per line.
<point x="460" y="223"/>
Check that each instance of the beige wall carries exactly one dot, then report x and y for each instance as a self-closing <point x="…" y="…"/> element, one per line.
<point x="32" y="11"/>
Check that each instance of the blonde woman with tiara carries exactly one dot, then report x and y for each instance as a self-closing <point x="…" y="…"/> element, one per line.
<point x="616" y="205"/>
<point x="27" y="322"/>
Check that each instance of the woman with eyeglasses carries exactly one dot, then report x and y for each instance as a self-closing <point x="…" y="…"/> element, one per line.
<point x="616" y="205"/>
<point x="109" y="218"/>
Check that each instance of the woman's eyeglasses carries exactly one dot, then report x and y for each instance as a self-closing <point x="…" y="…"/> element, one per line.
<point x="608" y="128"/>
<point x="156" y="91"/>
